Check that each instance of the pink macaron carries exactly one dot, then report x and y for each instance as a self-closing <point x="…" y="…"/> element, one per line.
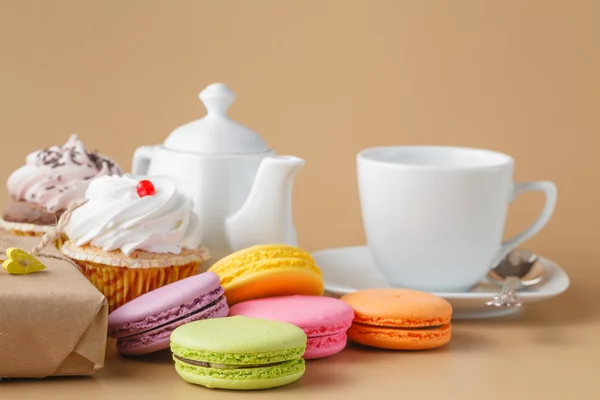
<point x="325" y="320"/>
<point x="144" y="325"/>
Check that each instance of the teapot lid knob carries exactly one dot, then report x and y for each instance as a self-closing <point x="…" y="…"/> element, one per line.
<point x="217" y="98"/>
<point x="216" y="133"/>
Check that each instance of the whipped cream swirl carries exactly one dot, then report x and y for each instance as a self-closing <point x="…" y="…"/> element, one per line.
<point x="57" y="176"/>
<point x="116" y="217"/>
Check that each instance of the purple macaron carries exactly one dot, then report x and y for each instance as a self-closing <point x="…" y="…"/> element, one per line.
<point x="144" y="325"/>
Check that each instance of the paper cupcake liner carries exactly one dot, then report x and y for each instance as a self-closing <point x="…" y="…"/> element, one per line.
<point x="22" y="229"/>
<point x="121" y="278"/>
<point x="121" y="284"/>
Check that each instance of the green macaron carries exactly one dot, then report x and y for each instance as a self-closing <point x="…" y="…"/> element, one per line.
<point x="239" y="352"/>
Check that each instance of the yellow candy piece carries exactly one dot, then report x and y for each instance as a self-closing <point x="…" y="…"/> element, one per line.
<point x="20" y="262"/>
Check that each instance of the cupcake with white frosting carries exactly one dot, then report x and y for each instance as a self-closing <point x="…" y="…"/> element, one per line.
<point x="133" y="235"/>
<point x="50" y="181"/>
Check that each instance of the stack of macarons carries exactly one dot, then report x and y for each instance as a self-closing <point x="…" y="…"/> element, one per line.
<point x="254" y="317"/>
<point x="283" y="283"/>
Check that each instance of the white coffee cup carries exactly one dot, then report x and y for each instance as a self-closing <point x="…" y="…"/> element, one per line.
<point x="434" y="216"/>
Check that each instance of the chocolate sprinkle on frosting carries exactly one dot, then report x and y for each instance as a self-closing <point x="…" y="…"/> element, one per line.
<point x="51" y="157"/>
<point x="99" y="161"/>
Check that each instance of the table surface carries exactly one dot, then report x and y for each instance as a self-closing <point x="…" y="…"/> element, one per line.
<point x="550" y="350"/>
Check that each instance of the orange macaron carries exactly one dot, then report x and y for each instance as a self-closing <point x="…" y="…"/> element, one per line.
<point x="399" y="319"/>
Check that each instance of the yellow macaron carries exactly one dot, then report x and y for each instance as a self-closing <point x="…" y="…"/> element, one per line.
<point x="268" y="271"/>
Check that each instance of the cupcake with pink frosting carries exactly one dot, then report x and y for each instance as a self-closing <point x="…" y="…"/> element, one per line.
<point x="51" y="180"/>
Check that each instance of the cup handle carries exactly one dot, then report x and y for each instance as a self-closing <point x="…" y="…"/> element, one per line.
<point x="549" y="189"/>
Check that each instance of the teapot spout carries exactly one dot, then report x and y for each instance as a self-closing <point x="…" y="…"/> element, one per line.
<point x="266" y="216"/>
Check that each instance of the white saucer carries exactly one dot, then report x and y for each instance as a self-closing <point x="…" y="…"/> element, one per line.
<point x="348" y="269"/>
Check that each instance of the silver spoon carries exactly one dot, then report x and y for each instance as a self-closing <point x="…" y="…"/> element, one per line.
<point x="518" y="270"/>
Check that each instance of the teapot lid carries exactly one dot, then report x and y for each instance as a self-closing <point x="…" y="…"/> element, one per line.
<point x="216" y="133"/>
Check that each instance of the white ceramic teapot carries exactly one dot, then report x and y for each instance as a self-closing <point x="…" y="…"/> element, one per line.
<point x="242" y="191"/>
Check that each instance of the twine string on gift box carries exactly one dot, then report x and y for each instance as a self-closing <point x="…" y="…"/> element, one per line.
<point x="57" y="230"/>
<point x="54" y="233"/>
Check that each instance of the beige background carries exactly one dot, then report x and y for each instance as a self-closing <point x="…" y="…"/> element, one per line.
<point x="322" y="80"/>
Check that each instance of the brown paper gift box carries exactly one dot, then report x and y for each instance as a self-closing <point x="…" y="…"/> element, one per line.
<point x="53" y="322"/>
